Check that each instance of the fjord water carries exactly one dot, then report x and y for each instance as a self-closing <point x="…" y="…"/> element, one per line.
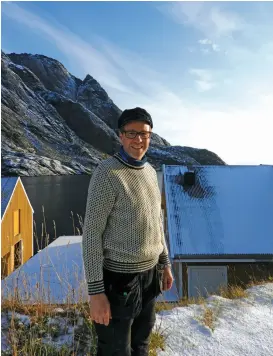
<point x="59" y="196"/>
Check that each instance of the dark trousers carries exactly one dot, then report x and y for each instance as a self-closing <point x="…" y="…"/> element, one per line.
<point x="132" y="300"/>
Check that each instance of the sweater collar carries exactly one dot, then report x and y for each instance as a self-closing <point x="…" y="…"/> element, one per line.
<point x="128" y="160"/>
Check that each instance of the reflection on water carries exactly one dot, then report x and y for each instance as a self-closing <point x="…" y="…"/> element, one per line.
<point x="58" y="196"/>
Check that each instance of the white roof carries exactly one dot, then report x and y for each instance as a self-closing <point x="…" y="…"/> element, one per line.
<point x="227" y="211"/>
<point x="54" y="274"/>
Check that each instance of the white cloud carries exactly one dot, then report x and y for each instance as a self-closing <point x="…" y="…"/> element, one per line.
<point x="205" y="16"/>
<point x="70" y="44"/>
<point x="204" y="81"/>
<point x="204" y="86"/>
<point x="205" y="41"/>
<point x="225" y="23"/>
<point x="238" y="135"/>
<point x="215" y="47"/>
<point x="204" y="74"/>
<point x="208" y="46"/>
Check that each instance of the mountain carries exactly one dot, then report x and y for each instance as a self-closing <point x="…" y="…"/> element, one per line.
<point x="54" y="123"/>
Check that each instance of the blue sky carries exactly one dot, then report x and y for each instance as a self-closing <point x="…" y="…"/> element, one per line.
<point x="203" y="69"/>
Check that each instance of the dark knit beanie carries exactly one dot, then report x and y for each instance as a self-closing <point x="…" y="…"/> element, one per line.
<point x="136" y="114"/>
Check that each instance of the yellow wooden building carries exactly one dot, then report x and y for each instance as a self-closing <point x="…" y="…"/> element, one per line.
<point x="16" y="225"/>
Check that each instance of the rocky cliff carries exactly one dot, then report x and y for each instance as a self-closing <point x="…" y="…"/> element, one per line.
<point x="55" y="123"/>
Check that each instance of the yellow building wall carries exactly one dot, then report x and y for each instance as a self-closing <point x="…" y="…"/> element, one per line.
<point x="9" y="227"/>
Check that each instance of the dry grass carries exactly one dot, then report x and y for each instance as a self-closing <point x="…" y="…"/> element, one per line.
<point x="47" y="323"/>
<point x="256" y="282"/>
<point x="42" y="309"/>
<point x="157" y="341"/>
<point x="208" y="318"/>
<point x="210" y="314"/>
<point x="160" y="306"/>
<point x="42" y="240"/>
<point x="233" y="292"/>
<point x="28" y="339"/>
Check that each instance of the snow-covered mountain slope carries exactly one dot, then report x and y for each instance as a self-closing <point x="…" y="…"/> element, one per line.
<point x="55" y="123"/>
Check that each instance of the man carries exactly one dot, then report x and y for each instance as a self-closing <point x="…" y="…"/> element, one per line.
<point x="124" y="244"/>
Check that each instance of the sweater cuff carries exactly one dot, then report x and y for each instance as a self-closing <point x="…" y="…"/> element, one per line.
<point x="95" y="287"/>
<point x="164" y="260"/>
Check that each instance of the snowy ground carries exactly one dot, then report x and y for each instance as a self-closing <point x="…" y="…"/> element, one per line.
<point x="242" y="327"/>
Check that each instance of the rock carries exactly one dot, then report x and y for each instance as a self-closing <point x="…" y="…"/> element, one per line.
<point x="90" y="128"/>
<point x="94" y="98"/>
<point x="54" y="123"/>
<point x="51" y="73"/>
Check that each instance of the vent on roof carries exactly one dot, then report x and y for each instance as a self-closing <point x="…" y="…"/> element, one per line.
<point x="195" y="184"/>
<point x="189" y="179"/>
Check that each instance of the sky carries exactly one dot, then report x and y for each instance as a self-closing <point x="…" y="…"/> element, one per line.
<point x="202" y="69"/>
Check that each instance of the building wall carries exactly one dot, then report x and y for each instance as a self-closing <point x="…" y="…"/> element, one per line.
<point x="238" y="273"/>
<point x="20" y="202"/>
<point x="244" y="273"/>
<point x="160" y="180"/>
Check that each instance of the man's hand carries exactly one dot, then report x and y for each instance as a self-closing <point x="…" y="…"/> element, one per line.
<point x="100" y="311"/>
<point x="167" y="278"/>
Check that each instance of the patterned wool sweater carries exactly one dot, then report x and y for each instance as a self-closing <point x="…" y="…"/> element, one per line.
<point x="123" y="227"/>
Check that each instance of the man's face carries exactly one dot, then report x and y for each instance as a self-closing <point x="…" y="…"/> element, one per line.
<point x="138" y="146"/>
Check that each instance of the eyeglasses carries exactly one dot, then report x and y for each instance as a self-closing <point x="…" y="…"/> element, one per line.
<point x="133" y="134"/>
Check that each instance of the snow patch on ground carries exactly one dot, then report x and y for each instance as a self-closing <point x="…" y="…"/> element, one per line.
<point x="242" y="327"/>
<point x="18" y="66"/>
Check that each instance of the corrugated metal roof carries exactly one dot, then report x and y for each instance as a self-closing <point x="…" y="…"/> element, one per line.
<point x="7" y="187"/>
<point x="228" y="211"/>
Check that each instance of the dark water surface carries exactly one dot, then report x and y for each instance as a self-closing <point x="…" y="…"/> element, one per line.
<point x="59" y="195"/>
